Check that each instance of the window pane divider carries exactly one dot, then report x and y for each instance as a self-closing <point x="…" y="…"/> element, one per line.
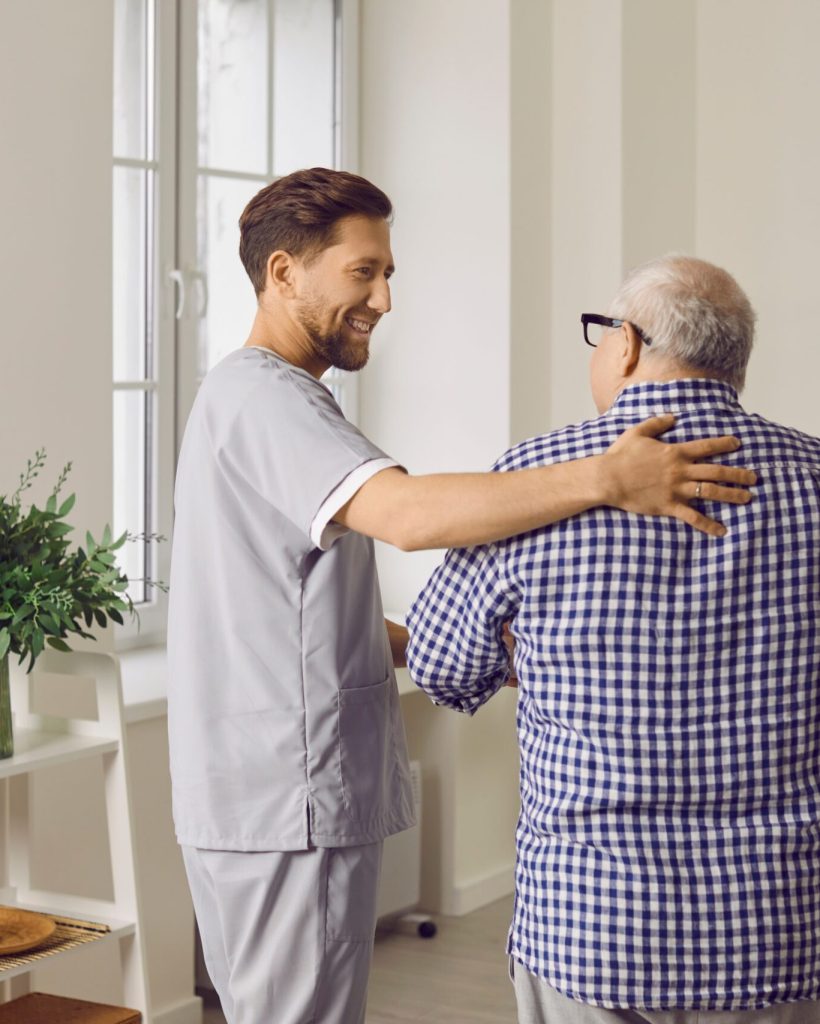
<point x="214" y="172"/>
<point x="271" y="85"/>
<point x="140" y="165"/>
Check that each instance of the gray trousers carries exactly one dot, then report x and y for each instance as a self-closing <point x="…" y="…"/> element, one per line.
<point x="540" y="1003"/>
<point x="287" y="937"/>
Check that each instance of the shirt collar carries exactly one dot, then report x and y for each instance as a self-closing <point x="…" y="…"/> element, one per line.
<point x="289" y="365"/>
<point x="652" y="398"/>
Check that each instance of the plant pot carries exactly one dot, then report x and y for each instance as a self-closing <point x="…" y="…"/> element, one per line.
<point x="6" y="730"/>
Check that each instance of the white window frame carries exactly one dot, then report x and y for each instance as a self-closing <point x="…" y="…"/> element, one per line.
<point x="150" y="626"/>
<point x="346" y="155"/>
<point x="347" y="146"/>
<point x="175" y="380"/>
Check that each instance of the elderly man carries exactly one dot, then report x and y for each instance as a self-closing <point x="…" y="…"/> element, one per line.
<point x="668" y="848"/>
<point x="287" y="749"/>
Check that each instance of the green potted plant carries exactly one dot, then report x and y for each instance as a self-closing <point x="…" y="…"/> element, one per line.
<point x="49" y="590"/>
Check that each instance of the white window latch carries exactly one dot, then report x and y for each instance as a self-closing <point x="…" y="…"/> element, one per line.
<point x="179" y="280"/>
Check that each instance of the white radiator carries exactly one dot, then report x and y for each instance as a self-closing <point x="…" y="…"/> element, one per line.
<point x="400" y="886"/>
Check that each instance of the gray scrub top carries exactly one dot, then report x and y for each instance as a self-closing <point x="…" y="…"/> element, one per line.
<point x="283" y="711"/>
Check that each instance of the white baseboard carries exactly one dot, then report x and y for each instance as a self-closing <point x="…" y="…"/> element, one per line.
<point x="187" y="1011"/>
<point x="479" y="892"/>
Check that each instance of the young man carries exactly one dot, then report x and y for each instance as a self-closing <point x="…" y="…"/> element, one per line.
<point x="287" y="750"/>
<point x="669" y="697"/>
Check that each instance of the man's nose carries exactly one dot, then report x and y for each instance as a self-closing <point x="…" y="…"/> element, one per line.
<point x="379" y="300"/>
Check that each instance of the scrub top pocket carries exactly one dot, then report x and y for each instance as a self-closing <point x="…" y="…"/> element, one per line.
<point x="365" y="754"/>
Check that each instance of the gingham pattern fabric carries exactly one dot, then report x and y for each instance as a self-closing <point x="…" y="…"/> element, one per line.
<point x="668" y="847"/>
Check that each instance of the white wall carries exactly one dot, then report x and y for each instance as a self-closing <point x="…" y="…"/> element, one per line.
<point x="658" y="129"/>
<point x="758" y="168"/>
<point x="535" y="153"/>
<point x="55" y="262"/>
<point x="531" y="267"/>
<point x="55" y="278"/>
<point x="55" y="259"/>
<point x="688" y="127"/>
<point x="435" y="134"/>
<point x="584" y="221"/>
<point x="623" y="159"/>
<point x="55" y="392"/>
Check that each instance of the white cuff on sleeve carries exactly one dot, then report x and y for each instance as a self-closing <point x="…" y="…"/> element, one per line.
<point x="322" y="531"/>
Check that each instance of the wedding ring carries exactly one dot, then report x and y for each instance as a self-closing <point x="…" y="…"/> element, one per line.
<point x="698" y="489"/>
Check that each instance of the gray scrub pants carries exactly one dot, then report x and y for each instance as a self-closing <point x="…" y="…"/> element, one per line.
<point x="287" y="937"/>
<point x="540" y="1003"/>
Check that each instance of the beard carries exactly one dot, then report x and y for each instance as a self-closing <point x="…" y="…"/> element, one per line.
<point x="332" y="345"/>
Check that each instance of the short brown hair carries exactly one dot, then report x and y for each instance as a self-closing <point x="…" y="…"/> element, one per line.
<point x="299" y="214"/>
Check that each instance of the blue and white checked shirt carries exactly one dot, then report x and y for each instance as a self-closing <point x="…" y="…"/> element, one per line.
<point x="668" y="847"/>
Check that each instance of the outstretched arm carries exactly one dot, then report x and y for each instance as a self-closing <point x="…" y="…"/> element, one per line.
<point x="637" y="474"/>
<point x="458" y="651"/>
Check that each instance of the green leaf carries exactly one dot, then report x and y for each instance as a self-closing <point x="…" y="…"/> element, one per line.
<point x="5" y="642"/>
<point x="67" y="619"/>
<point x="22" y="612"/>
<point x="37" y="644"/>
<point x="118" y="543"/>
<point x="67" y="505"/>
<point x="48" y="587"/>
<point x="51" y="624"/>
<point x="58" y="644"/>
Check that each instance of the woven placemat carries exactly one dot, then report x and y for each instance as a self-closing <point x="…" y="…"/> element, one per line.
<point x="69" y="934"/>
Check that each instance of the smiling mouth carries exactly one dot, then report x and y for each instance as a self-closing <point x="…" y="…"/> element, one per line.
<point x="363" y="327"/>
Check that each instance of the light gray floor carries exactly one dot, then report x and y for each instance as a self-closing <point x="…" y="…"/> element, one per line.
<point x="457" y="977"/>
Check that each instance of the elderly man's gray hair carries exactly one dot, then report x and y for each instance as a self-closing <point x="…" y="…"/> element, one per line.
<point x="696" y="314"/>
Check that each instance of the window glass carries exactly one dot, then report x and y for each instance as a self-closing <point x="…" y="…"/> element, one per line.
<point x="129" y="483"/>
<point x="131" y="69"/>
<point x="212" y="100"/>
<point x="233" y="85"/>
<point x="131" y="256"/>
<point x="303" y="90"/>
<point x="254" y="86"/>
<point x="223" y="326"/>
<point x="133" y="269"/>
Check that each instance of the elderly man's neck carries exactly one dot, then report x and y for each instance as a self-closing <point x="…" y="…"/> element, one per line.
<point x="661" y="371"/>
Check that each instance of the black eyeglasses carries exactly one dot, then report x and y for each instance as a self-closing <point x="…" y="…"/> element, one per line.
<point x="594" y="326"/>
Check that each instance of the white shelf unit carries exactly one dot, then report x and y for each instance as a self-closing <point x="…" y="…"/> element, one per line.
<point x="43" y="741"/>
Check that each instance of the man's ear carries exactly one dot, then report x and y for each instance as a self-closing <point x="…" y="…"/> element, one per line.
<point x="630" y="350"/>
<point x="280" y="274"/>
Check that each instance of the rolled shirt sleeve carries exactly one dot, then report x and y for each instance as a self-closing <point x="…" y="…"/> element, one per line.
<point x="456" y="652"/>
